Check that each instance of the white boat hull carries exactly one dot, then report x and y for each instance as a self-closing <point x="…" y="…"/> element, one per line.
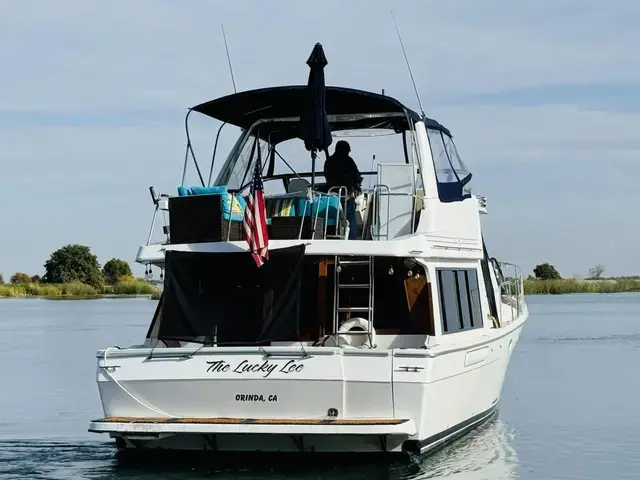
<point x="296" y="399"/>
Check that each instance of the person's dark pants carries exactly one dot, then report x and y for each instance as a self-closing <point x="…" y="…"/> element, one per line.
<point x="351" y="216"/>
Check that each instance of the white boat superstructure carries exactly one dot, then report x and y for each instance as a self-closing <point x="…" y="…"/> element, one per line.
<point x="396" y="341"/>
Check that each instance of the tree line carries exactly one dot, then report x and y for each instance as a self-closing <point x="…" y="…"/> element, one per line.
<point x="75" y="263"/>
<point x="546" y="271"/>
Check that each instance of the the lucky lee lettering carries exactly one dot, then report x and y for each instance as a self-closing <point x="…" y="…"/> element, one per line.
<point x="265" y="367"/>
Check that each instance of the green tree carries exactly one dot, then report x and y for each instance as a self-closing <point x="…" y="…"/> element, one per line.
<point x="35" y="279"/>
<point x="1" y="279"/>
<point x="20" y="277"/>
<point x="595" y="272"/>
<point x="115" y="269"/>
<point x="546" y="271"/>
<point x="73" y="263"/>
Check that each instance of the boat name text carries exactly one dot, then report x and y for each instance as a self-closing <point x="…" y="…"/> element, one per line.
<point x="266" y="367"/>
<point x="256" y="398"/>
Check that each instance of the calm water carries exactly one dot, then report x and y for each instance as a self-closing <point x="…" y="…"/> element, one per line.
<point x="568" y="410"/>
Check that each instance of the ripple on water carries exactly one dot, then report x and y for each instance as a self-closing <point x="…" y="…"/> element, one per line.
<point x="632" y="338"/>
<point x="55" y="460"/>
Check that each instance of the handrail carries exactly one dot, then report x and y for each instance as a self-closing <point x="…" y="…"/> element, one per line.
<point x="375" y="207"/>
<point x="514" y="286"/>
<point x="157" y="207"/>
<point x="153" y="224"/>
<point x="372" y="220"/>
<point x="343" y="194"/>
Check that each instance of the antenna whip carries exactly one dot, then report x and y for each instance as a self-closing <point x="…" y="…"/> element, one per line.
<point x="229" y="60"/>
<point x="408" y="65"/>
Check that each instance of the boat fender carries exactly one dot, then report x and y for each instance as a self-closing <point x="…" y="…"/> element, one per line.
<point x="359" y="340"/>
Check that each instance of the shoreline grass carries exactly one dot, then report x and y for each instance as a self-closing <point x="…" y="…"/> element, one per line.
<point x="141" y="288"/>
<point x="77" y="290"/>
<point x="567" y="286"/>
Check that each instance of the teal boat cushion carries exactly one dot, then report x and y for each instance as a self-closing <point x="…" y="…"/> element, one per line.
<point x="322" y="204"/>
<point x="235" y="211"/>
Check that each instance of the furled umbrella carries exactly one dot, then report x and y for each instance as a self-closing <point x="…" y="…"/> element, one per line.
<point x="314" y="127"/>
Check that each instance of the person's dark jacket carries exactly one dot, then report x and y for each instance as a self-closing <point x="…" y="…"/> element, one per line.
<point x="341" y="170"/>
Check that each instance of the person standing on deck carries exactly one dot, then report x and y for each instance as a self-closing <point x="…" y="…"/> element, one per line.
<point x="341" y="171"/>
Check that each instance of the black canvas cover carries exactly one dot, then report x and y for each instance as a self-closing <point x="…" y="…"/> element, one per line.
<point x="243" y="109"/>
<point x="314" y="127"/>
<point x="225" y="295"/>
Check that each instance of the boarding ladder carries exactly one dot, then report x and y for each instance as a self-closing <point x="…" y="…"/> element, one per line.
<point x="353" y="274"/>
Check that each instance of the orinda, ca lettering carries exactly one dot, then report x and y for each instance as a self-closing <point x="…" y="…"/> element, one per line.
<point x="265" y="367"/>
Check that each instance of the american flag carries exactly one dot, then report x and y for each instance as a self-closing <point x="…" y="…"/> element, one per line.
<point x="255" y="221"/>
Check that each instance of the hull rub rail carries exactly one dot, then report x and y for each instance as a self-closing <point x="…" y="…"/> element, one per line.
<point x="253" y="421"/>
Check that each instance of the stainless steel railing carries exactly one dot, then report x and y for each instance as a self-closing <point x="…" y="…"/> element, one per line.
<point x="375" y="207"/>
<point x="511" y="286"/>
<point x="375" y="219"/>
<point x="161" y="203"/>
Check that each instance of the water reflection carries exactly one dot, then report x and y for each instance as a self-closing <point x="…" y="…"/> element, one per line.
<point x="486" y="453"/>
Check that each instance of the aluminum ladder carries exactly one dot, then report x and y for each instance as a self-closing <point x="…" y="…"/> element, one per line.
<point x="349" y="265"/>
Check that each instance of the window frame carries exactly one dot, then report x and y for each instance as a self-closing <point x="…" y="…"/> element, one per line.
<point x="463" y="288"/>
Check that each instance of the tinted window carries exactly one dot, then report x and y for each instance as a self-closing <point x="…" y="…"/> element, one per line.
<point x="474" y="296"/>
<point x="449" y="301"/>
<point x="459" y="299"/>
<point x="465" y="300"/>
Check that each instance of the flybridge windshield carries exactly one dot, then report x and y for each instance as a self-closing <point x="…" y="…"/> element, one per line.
<point x="451" y="173"/>
<point x="238" y="173"/>
<point x="377" y="141"/>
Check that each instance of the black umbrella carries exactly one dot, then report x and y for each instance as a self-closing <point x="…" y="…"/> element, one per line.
<point x="314" y="127"/>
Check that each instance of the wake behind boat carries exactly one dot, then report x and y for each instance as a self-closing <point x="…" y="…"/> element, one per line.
<point x="303" y="315"/>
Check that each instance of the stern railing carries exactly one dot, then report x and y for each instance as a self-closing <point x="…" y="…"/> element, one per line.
<point x="511" y="285"/>
<point x="375" y="215"/>
<point x="161" y="203"/>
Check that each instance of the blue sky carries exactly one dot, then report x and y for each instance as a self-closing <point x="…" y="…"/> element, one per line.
<point x="542" y="97"/>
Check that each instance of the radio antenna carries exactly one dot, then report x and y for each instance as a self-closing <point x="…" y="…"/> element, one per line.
<point x="229" y="60"/>
<point x="408" y="65"/>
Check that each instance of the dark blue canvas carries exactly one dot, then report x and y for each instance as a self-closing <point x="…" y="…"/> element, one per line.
<point x="314" y="127"/>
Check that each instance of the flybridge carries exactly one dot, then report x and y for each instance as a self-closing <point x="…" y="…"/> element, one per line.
<point x="299" y="206"/>
<point x="418" y="159"/>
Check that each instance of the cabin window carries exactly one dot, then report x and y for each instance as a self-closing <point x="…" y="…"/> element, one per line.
<point x="459" y="299"/>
